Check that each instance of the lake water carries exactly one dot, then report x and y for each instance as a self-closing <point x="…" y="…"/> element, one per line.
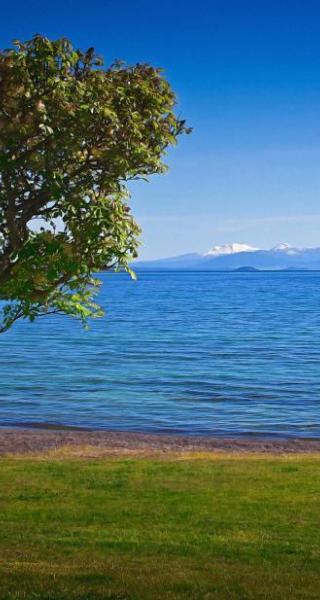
<point x="199" y="353"/>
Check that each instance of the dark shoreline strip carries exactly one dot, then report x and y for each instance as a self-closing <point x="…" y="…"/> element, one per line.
<point x="170" y="433"/>
<point x="34" y="440"/>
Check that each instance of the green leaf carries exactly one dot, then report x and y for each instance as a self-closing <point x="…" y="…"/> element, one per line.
<point x="72" y="135"/>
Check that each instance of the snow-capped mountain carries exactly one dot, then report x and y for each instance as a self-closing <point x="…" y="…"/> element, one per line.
<point x="233" y="248"/>
<point x="283" y="247"/>
<point x="240" y="256"/>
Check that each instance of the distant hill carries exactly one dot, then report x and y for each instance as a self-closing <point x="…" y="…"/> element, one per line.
<point x="238" y="256"/>
<point x="247" y="270"/>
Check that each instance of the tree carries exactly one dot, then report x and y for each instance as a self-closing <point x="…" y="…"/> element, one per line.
<point x="72" y="134"/>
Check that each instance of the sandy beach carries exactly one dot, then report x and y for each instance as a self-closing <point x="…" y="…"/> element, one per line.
<point x="36" y="440"/>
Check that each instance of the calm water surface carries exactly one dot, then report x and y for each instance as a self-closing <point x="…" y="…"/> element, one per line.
<point x="200" y="353"/>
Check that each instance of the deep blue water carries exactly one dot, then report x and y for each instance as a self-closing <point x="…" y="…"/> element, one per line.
<point x="200" y="353"/>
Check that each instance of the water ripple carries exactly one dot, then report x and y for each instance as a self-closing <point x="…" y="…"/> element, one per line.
<point x="219" y="353"/>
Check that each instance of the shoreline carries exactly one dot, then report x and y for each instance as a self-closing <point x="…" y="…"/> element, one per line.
<point x="39" y="439"/>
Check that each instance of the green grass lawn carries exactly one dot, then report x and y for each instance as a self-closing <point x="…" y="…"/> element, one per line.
<point x="230" y="528"/>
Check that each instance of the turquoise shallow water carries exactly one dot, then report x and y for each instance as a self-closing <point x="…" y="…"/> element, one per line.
<point x="200" y="353"/>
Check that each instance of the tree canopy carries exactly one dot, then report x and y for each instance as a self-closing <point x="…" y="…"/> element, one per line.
<point x="72" y="134"/>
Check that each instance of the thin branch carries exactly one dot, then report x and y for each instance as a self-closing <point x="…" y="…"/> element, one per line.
<point x="10" y="322"/>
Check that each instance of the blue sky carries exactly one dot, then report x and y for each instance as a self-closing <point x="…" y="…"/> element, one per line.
<point x="247" y="75"/>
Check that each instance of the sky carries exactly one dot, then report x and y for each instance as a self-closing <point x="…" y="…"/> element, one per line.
<point x="247" y="77"/>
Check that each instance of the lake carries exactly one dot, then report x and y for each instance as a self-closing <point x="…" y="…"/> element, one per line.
<point x="191" y="352"/>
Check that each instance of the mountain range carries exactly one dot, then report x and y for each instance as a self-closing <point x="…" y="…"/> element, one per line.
<point x="240" y="256"/>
